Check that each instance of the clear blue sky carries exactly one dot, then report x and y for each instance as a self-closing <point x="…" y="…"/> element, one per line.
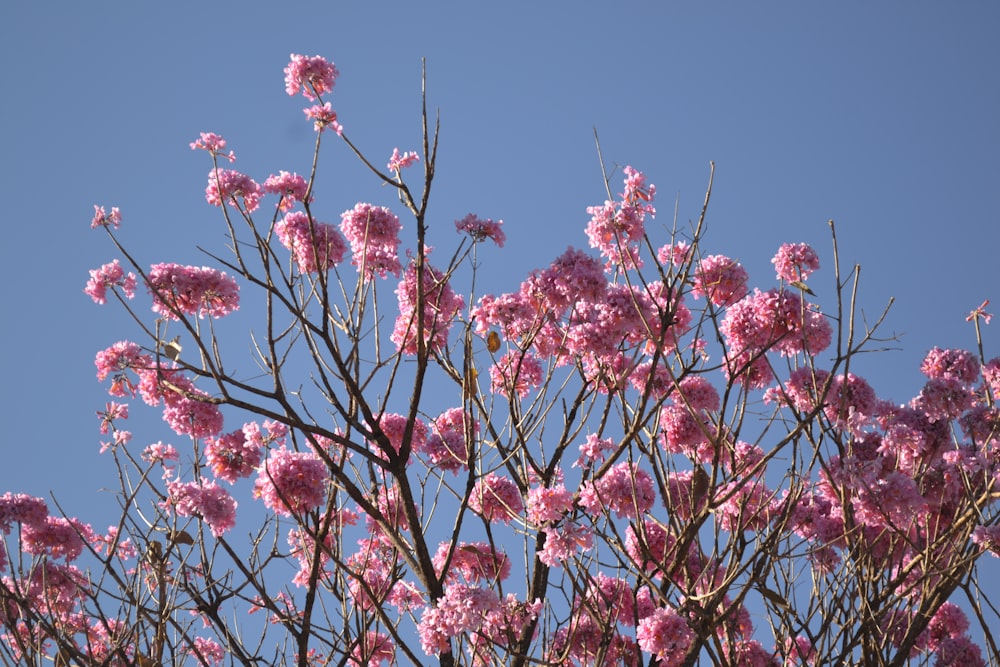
<point x="882" y="116"/>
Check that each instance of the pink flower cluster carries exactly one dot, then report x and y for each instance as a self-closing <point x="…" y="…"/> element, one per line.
<point x="776" y="320"/>
<point x="191" y="290"/>
<point x="400" y="161"/>
<point x="316" y="246"/>
<point x="292" y="482"/>
<point x="625" y="489"/>
<point x="446" y="447"/>
<point x="108" y="277"/>
<point x="237" y="454"/>
<point x="665" y="634"/>
<point x="462" y="609"/>
<point x="616" y="228"/>
<point x="441" y="307"/>
<point x="311" y="75"/>
<point x="480" y="230"/>
<point x="229" y="186"/>
<point x="515" y="374"/>
<point x="104" y="219"/>
<point x="373" y="232"/>
<point x="721" y="280"/>
<point x="496" y="498"/>
<point x="205" y="500"/>
<point x="323" y="116"/>
<point x="214" y="144"/>
<point x="795" y="262"/>
<point x="290" y="187"/>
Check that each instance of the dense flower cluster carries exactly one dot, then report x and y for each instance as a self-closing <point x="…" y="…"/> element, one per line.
<point x="373" y="232"/>
<point x="191" y="290"/>
<point x="316" y="246"/>
<point x="205" y="500"/>
<point x="441" y="306"/>
<point x="313" y="76"/>
<point x="108" y="277"/>
<point x="292" y="482"/>
<point x="290" y="187"/>
<point x="616" y="228"/>
<point x="227" y="186"/>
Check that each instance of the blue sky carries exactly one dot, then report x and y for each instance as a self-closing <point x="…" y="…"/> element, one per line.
<point x="881" y="116"/>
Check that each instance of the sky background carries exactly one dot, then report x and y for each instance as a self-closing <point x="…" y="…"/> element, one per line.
<point x="881" y="116"/>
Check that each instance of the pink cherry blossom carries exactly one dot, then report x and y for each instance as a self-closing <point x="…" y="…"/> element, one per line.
<point x="795" y="262"/>
<point x="227" y="186"/>
<point x="316" y="246"/>
<point x="496" y="498"/>
<point x="481" y="230"/>
<point x="311" y="75"/>
<point x="617" y="227"/>
<point x="394" y="428"/>
<point x="373" y="233"/>
<point x="103" y="219"/>
<point x="292" y="482"/>
<point x="959" y="364"/>
<point x="21" y="508"/>
<point x="108" y="277"/>
<point x="191" y="290"/>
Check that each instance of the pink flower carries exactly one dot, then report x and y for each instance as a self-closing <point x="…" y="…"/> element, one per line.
<point x="617" y="228"/>
<point x="214" y="144"/>
<point x="462" y="609"/>
<point x="226" y="185"/>
<point x="548" y="504"/>
<point x="373" y="649"/>
<point x="107" y="277"/>
<point x="399" y="162"/>
<point x="666" y="635"/>
<point x="316" y="246"/>
<point x="394" y="428"/>
<point x="481" y="230"/>
<point x="116" y="361"/>
<point x="625" y="489"/>
<point x="203" y="499"/>
<point x="474" y="562"/>
<point x="312" y="75"/>
<point x="56" y="537"/>
<point x="323" y="116"/>
<point x="944" y="399"/>
<point x="959" y="364"/>
<point x="21" y="508"/>
<point x="722" y="280"/>
<point x="191" y="290"/>
<point x="593" y="450"/>
<point x="207" y="651"/>
<point x="290" y="187"/>
<point x="562" y="541"/>
<point x="102" y="219"/>
<point x="446" y="446"/>
<point x="441" y="308"/>
<point x="496" y="498"/>
<point x="515" y="374"/>
<point x="235" y="455"/>
<point x="980" y="312"/>
<point x="373" y="232"/>
<point x="795" y="262"/>
<point x="292" y="482"/>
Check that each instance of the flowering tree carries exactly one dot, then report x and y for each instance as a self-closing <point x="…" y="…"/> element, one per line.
<point x="630" y="458"/>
